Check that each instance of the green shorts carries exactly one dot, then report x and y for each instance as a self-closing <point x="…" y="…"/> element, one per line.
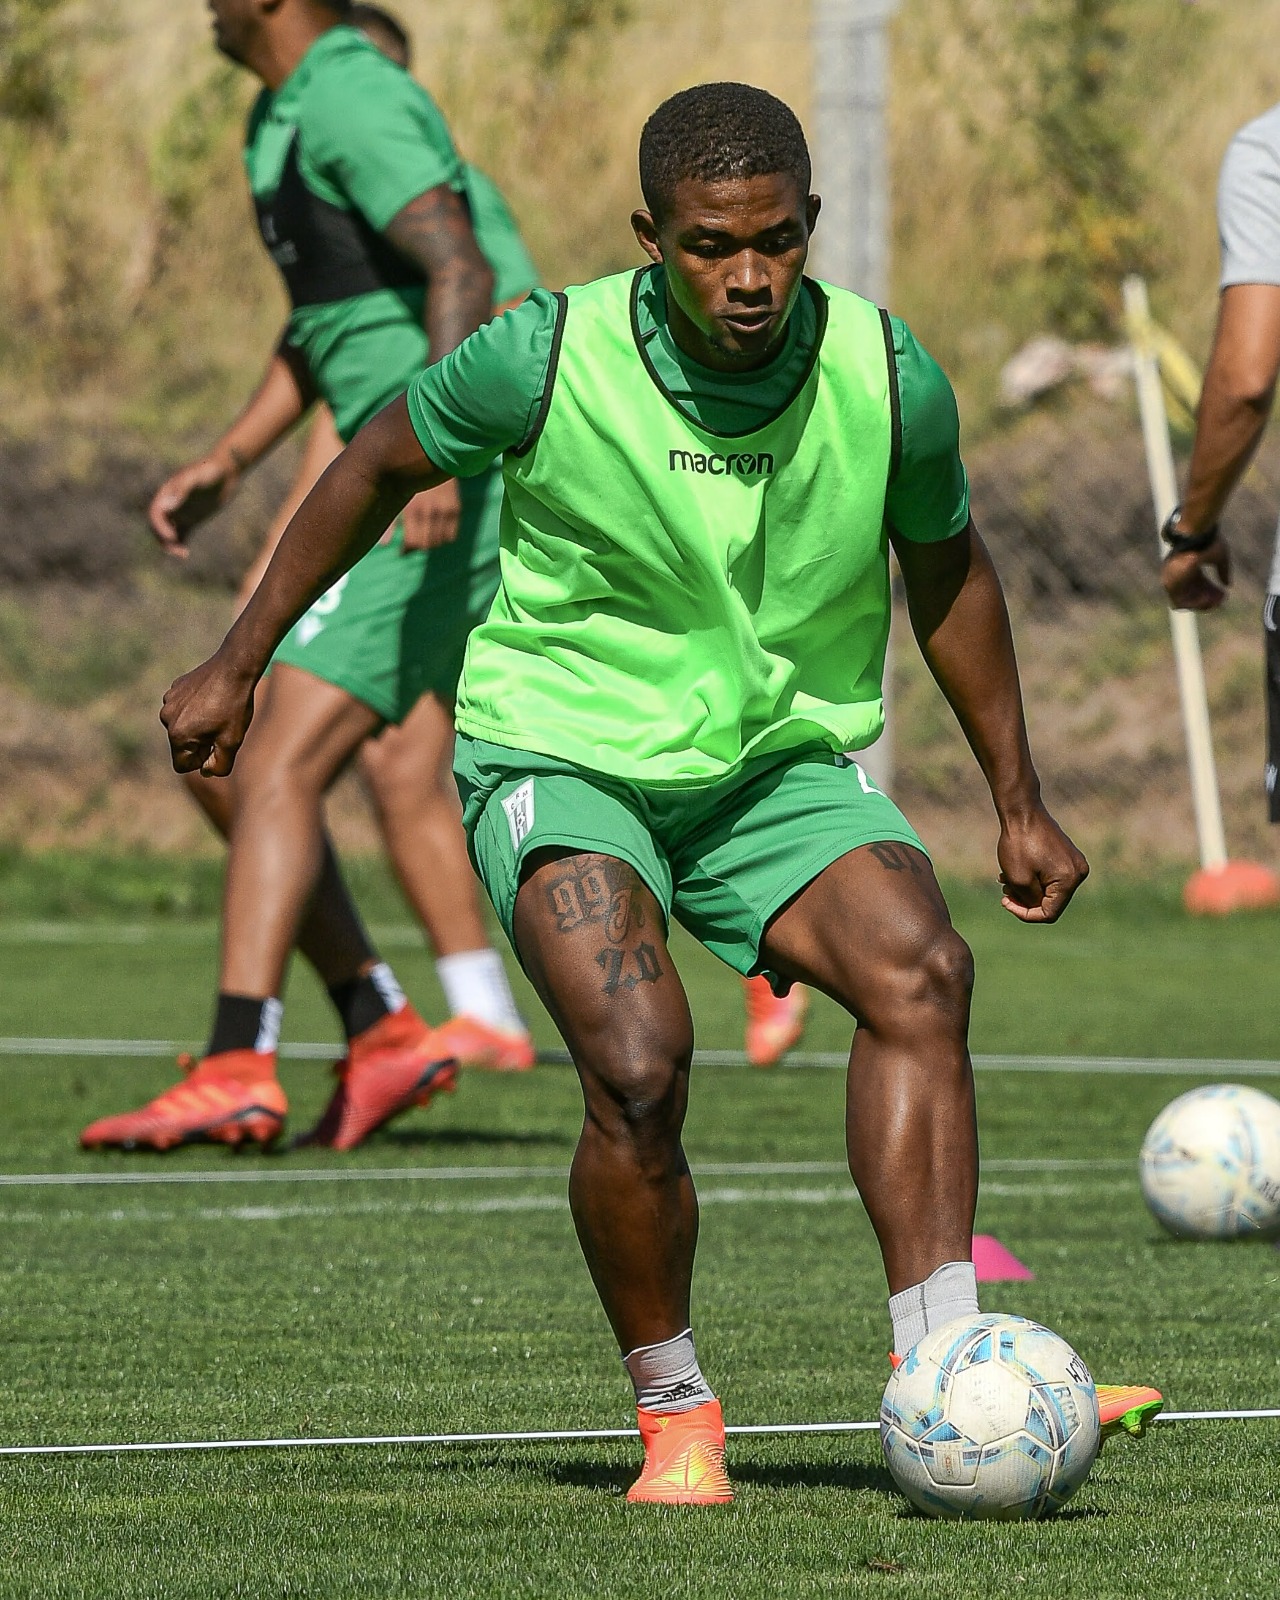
<point x="397" y="624"/>
<point x="722" y="858"/>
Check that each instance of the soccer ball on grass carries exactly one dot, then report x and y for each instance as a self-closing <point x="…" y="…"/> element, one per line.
<point x="1210" y="1164"/>
<point x="990" y="1417"/>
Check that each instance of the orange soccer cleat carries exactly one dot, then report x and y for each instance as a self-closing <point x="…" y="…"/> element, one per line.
<point x="388" y="1068"/>
<point x="683" y="1459"/>
<point x="229" y="1098"/>
<point x="774" y="1025"/>
<point x="473" y="1043"/>
<point x="1127" y="1408"/>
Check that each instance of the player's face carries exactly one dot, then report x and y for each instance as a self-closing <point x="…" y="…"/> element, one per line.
<point x="234" y="22"/>
<point x="734" y="251"/>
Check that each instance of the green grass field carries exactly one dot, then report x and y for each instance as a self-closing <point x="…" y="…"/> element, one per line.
<point x="449" y="1295"/>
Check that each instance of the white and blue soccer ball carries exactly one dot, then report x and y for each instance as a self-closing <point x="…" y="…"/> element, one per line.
<point x="1210" y="1164"/>
<point x="990" y="1418"/>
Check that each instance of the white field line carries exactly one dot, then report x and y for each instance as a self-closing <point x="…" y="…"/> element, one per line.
<point x="540" y="1436"/>
<point x="88" y="934"/>
<point x="1121" y="1066"/>
<point x="705" y="1169"/>
<point x="513" y="1203"/>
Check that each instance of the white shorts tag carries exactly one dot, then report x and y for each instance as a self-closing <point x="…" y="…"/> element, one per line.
<point x="519" y="809"/>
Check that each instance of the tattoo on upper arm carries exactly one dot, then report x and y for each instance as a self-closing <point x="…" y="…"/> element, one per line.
<point x="605" y="892"/>
<point x="434" y="230"/>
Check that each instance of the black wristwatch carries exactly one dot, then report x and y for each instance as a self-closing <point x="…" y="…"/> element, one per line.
<point x="1181" y="544"/>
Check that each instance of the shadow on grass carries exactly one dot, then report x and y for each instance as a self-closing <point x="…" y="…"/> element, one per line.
<point x="909" y="1513"/>
<point x="414" y="1138"/>
<point x="852" y="1475"/>
<point x="796" y="1475"/>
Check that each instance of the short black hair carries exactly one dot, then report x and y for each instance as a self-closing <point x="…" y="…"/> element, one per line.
<point x="716" y="131"/>
<point x="365" y="17"/>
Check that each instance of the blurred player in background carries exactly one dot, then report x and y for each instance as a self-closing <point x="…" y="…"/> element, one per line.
<point x="1239" y="388"/>
<point x="368" y="212"/>
<point x="705" y="463"/>
<point x="408" y="768"/>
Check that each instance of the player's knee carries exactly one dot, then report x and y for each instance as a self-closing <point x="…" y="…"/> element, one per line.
<point x="269" y="788"/>
<point x="929" y="983"/>
<point x="402" y="788"/>
<point x="645" y="1088"/>
<point x="944" y="974"/>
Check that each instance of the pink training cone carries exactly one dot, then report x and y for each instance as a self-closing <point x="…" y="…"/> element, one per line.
<point x="995" y="1264"/>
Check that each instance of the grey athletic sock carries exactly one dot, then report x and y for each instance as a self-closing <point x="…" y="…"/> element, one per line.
<point x="948" y="1293"/>
<point x="667" y="1375"/>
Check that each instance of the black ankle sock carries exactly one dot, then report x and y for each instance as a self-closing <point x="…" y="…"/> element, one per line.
<point x="362" y="1001"/>
<point x="244" y="1022"/>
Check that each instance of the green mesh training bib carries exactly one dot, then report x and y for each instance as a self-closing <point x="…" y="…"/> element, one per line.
<point x="676" y="601"/>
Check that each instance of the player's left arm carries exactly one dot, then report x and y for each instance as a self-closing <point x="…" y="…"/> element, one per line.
<point x="960" y="618"/>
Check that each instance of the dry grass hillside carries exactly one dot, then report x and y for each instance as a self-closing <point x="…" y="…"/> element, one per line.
<point x="1032" y="165"/>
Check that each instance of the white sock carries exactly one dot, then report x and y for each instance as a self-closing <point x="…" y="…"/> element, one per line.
<point x="475" y="985"/>
<point x="388" y="987"/>
<point x="948" y="1293"/>
<point x="667" y="1376"/>
<point x="269" y="1027"/>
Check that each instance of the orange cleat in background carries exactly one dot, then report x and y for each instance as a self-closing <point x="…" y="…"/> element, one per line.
<point x="473" y="1043"/>
<point x="390" y="1067"/>
<point x="231" y="1098"/>
<point x="774" y="1025"/>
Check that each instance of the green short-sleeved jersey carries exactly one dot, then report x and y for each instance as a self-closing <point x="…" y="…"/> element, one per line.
<point x="484" y="398"/>
<point x="344" y="144"/>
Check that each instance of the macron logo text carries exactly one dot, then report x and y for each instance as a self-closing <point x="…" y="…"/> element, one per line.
<point x="747" y="464"/>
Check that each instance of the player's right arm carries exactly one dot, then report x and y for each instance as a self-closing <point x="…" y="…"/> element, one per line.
<point x="207" y="712"/>
<point x="456" y="419"/>
<point x="204" y="486"/>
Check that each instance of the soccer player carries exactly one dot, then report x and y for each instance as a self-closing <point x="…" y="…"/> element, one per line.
<point x="407" y="768"/>
<point x="364" y="205"/>
<point x="706" y="462"/>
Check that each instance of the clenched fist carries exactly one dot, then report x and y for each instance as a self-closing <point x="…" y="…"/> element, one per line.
<point x="206" y="714"/>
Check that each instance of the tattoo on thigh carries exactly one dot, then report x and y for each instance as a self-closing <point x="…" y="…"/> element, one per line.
<point x="645" y="967"/>
<point x="897" y="858"/>
<point x="605" y="891"/>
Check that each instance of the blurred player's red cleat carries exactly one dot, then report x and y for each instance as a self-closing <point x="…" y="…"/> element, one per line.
<point x="229" y="1098"/>
<point x="388" y="1068"/>
<point x="774" y="1025"/>
<point x="683" y="1459"/>
<point x="476" y="1044"/>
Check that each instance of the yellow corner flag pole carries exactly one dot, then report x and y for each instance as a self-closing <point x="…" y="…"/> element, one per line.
<point x="1220" y="886"/>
